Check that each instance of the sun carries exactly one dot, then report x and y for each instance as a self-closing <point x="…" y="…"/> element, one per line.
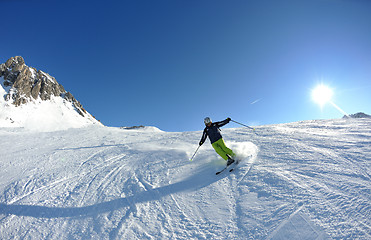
<point x="322" y="94"/>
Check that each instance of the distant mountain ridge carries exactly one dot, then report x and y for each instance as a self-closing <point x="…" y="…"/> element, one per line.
<point x="21" y="85"/>
<point x="358" y="115"/>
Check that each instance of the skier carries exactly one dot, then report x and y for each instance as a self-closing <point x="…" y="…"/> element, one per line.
<point x="213" y="132"/>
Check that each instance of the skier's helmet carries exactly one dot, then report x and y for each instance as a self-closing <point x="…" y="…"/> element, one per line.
<point x="207" y="120"/>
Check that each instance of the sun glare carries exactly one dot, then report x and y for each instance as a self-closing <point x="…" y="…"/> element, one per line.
<point x="322" y="94"/>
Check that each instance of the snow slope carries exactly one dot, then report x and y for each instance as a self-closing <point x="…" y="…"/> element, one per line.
<point x="305" y="180"/>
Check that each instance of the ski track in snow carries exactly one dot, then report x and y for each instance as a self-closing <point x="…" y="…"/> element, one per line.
<point x="305" y="180"/>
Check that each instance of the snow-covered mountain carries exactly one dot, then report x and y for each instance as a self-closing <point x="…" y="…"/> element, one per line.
<point x="34" y="100"/>
<point x="304" y="180"/>
<point x="358" y="115"/>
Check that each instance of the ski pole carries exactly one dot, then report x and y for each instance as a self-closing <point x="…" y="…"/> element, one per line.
<point x="195" y="153"/>
<point x="243" y="125"/>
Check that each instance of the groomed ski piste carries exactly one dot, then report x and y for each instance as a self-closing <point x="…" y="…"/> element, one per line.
<point x="303" y="180"/>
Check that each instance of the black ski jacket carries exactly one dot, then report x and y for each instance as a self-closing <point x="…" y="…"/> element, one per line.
<point x="213" y="132"/>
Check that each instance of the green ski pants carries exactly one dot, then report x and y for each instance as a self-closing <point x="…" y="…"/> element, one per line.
<point x="222" y="150"/>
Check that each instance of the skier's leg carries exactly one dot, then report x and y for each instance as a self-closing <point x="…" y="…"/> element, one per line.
<point x="219" y="150"/>
<point x="225" y="148"/>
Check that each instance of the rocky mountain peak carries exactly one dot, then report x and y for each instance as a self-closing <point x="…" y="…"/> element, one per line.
<point x="358" y="115"/>
<point x="25" y="84"/>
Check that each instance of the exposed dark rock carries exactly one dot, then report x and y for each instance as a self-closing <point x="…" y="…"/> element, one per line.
<point x="28" y="84"/>
<point x="133" y="127"/>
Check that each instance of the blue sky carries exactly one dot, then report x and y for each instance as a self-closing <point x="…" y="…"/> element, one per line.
<point x="171" y="63"/>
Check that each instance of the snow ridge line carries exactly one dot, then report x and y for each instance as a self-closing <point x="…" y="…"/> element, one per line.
<point x="250" y="161"/>
<point x="247" y="172"/>
<point x="283" y="223"/>
<point x="45" y="187"/>
<point x="275" y="233"/>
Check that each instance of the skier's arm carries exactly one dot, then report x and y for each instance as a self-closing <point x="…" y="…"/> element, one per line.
<point x="204" y="135"/>
<point x="222" y="123"/>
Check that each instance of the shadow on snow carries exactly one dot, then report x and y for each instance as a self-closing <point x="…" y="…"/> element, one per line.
<point x="202" y="178"/>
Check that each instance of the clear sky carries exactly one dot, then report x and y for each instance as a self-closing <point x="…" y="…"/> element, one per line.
<point x="171" y="63"/>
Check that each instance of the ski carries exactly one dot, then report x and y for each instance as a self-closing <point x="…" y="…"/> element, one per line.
<point x="222" y="170"/>
<point x="233" y="166"/>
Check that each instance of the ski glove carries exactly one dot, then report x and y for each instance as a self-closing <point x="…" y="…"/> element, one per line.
<point x="229" y="119"/>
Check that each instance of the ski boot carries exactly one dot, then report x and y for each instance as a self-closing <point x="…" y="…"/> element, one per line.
<point x="230" y="160"/>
